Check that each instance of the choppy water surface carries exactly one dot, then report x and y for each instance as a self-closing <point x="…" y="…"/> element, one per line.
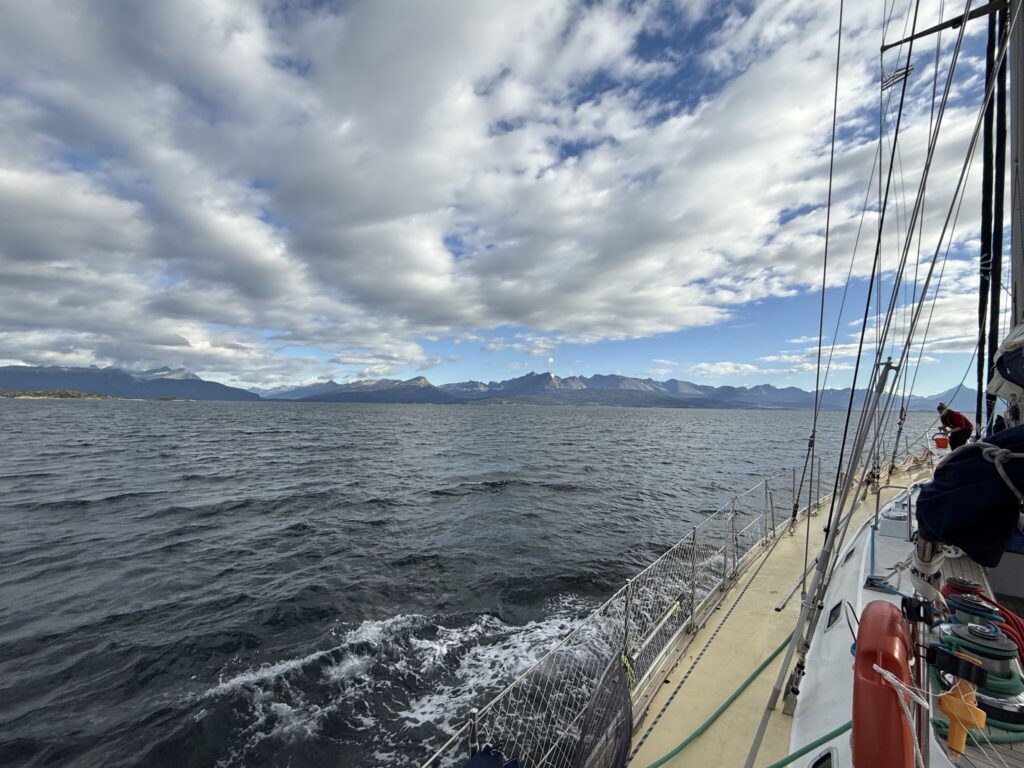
<point x="256" y="584"/>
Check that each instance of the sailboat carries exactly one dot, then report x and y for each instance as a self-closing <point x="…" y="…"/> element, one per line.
<point x="873" y="620"/>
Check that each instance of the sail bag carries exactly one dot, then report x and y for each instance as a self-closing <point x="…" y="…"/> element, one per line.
<point x="968" y="504"/>
<point x="1007" y="379"/>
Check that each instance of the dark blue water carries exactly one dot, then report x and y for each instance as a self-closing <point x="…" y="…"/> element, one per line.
<point x="255" y="584"/>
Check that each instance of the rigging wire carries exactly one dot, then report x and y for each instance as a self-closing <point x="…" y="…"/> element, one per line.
<point x="965" y="169"/>
<point x="809" y="458"/>
<point x="894" y="144"/>
<point x="900" y="195"/>
<point x="938" y="287"/>
<point x="808" y="606"/>
<point x="927" y="166"/>
<point x="861" y="432"/>
<point x="931" y="312"/>
<point x="875" y="163"/>
<point x="821" y="382"/>
<point x="883" y="421"/>
<point x="874" y="267"/>
<point x="957" y="199"/>
<point x="959" y="191"/>
<point x="905" y="373"/>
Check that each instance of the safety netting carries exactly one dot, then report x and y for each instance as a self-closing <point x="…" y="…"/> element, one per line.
<point x="574" y="707"/>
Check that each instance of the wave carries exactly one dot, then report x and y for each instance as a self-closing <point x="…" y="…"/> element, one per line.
<point x="385" y="677"/>
<point x="101" y="501"/>
<point x="480" y="486"/>
<point x="499" y="486"/>
<point x="147" y="615"/>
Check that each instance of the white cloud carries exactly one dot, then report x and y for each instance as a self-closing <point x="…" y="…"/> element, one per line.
<point x="725" y="369"/>
<point x="219" y="184"/>
<point x="531" y="344"/>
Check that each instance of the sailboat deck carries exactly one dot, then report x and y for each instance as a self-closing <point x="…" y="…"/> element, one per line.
<point x="736" y="638"/>
<point x="964" y="568"/>
<point x="996" y="755"/>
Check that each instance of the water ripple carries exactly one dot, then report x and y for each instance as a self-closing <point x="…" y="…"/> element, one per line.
<point x="255" y="584"/>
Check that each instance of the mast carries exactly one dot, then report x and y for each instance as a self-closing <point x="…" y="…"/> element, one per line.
<point x="985" y="260"/>
<point x="1016" y="54"/>
<point x="994" y="311"/>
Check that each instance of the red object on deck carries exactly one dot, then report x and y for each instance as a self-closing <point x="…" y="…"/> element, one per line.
<point x="881" y="735"/>
<point x="1013" y="624"/>
<point x="941" y="441"/>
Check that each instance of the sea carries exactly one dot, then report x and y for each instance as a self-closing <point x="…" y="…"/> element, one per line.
<point x="296" y="584"/>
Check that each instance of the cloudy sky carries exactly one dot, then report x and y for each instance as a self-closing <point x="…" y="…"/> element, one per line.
<point x="271" y="193"/>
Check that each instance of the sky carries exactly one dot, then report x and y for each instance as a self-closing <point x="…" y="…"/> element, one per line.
<point x="277" y="193"/>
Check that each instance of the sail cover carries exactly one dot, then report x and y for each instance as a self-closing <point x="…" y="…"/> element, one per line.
<point x="1008" y="377"/>
<point x="967" y="503"/>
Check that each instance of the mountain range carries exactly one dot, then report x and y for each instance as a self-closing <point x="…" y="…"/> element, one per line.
<point x="114" y="382"/>
<point x="600" y="389"/>
<point x="533" y="388"/>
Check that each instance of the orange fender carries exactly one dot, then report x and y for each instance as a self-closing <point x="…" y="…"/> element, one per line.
<point x="881" y="736"/>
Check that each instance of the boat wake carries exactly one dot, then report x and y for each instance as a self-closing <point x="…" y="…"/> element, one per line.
<point x="387" y="693"/>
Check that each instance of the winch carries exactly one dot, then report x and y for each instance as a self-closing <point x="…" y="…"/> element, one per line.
<point x="969" y="608"/>
<point x="960" y="584"/>
<point x="1002" y="695"/>
<point x="986" y="642"/>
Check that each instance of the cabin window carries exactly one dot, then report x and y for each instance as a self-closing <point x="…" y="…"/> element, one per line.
<point x="834" y="614"/>
<point x="849" y="554"/>
<point x="824" y="760"/>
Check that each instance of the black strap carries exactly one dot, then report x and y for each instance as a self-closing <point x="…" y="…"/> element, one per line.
<point x="952" y="664"/>
<point x="918" y="610"/>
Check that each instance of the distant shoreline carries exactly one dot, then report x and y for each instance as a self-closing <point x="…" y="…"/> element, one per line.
<point x="489" y="402"/>
<point x="54" y="394"/>
<point x="70" y="394"/>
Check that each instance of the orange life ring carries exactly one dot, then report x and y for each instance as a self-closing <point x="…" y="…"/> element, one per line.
<point x="881" y="735"/>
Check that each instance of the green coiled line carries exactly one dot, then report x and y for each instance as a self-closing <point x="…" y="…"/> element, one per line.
<point x="1015" y="733"/>
<point x="1005" y="685"/>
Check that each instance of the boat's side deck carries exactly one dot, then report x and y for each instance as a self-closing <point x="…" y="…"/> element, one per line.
<point x="737" y="637"/>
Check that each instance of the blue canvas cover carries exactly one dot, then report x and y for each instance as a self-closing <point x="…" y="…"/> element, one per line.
<point x="1011" y="365"/>
<point x="968" y="505"/>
